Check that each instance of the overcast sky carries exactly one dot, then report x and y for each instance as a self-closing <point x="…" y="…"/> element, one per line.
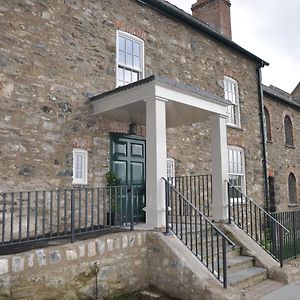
<point x="271" y="30"/>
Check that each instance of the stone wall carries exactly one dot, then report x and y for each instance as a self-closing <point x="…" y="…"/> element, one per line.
<point x="124" y="262"/>
<point x="56" y="53"/>
<point x="283" y="159"/>
<point x="69" y="271"/>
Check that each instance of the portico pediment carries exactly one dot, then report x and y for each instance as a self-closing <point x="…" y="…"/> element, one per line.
<point x="185" y="104"/>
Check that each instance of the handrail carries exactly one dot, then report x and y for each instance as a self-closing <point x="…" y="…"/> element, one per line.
<point x="207" y="242"/>
<point x="198" y="211"/>
<point x="257" y="223"/>
<point x="265" y="212"/>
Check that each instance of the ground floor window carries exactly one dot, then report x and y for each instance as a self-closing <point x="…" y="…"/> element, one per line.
<point x="80" y="161"/>
<point x="236" y="169"/>
<point x="170" y="167"/>
<point x="292" y="183"/>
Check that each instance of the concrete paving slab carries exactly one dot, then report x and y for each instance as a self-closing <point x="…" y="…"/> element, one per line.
<point x="288" y="292"/>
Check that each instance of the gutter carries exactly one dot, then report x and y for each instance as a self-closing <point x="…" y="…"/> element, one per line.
<point x="281" y="100"/>
<point x="172" y="11"/>
<point x="263" y="135"/>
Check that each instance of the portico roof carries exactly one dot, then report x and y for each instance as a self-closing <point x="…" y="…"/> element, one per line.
<point x="185" y="104"/>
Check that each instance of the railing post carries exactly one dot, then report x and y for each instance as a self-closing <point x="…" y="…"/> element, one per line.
<point x="280" y="247"/>
<point x="294" y="234"/>
<point x="224" y="263"/>
<point x="167" y="197"/>
<point x="72" y="216"/>
<point x="131" y="208"/>
<point x="3" y="217"/>
<point x="228" y="198"/>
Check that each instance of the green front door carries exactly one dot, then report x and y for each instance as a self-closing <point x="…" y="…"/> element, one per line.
<point x="128" y="163"/>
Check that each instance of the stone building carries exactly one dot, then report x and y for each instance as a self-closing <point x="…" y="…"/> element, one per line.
<point x="282" y="132"/>
<point x="59" y="61"/>
<point x="147" y="91"/>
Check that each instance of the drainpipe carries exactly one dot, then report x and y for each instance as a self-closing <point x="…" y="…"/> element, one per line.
<point x="263" y="134"/>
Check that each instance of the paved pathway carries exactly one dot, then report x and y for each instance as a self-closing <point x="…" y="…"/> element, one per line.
<point x="288" y="292"/>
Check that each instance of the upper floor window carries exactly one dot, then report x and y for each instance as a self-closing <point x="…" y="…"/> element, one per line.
<point x="80" y="162"/>
<point x="236" y="169"/>
<point x="268" y="124"/>
<point x="292" y="184"/>
<point x="232" y="94"/>
<point x="130" y="58"/>
<point x="288" y="129"/>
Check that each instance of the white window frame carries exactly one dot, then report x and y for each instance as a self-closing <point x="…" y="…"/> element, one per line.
<point x="170" y="167"/>
<point x="84" y="154"/>
<point x="137" y="40"/>
<point x="232" y="95"/>
<point x="242" y="165"/>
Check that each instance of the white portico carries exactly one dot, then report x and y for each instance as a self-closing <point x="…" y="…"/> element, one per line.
<point x="160" y="103"/>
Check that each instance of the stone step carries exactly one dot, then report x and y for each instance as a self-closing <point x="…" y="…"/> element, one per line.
<point x="247" y="277"/>
<point x="238" y="263"/>
<point x="231" y="252"/>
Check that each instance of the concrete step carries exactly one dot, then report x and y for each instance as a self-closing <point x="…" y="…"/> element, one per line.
<point x="247" y="277"/>
<point x="238" y="263"/>
<point x="231" y="252"/>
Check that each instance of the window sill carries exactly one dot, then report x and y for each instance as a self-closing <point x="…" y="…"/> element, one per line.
<point x="270" y="142"/>
<point x="235" y="127"/>
<point x="293" y="205"/>
<point x="290" y="146"/>
<point x="79" y="183"/>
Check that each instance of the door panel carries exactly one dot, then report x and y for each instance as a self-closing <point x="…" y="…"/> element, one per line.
<point x="120" y="168"/>
<point x="128" y="162"/>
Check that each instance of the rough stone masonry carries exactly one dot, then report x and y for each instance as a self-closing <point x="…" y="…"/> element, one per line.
<point x="56" y="54"/>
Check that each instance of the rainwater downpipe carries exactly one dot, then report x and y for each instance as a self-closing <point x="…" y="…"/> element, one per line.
<point x="263" y="134"/>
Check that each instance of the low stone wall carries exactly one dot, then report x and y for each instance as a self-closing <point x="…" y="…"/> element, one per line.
<point x="124" y="262"/>
<point x="68" y="271"/>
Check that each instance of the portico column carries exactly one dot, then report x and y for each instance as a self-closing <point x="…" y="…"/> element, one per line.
<point x="219" y="167"/>
<point x="156" y="162"/>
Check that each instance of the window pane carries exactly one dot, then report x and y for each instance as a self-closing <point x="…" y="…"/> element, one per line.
<point x="122" y="43"/>
<point x="127" y="76"/>
<point x="121" y="73"/>
<point x="129" y="61"/>
<point x="134" y="76"/>
<point x="122" y="57"/>
<point x="136" y="62"/>
<point x="129" y="46"/>
<point x="136" y="49"/>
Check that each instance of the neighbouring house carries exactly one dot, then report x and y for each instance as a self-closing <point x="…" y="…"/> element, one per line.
<point x="282" y="132"/>
<point x="167" y="103"/>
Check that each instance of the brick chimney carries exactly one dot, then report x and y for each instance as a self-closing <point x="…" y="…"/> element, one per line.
<point x="215" y="13"/>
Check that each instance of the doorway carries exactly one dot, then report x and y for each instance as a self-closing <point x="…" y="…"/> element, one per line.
<point x="128" y="163"/>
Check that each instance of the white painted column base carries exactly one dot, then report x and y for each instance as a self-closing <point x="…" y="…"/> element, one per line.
<point x="156" y="163"/>
<point x="219" y="157"/>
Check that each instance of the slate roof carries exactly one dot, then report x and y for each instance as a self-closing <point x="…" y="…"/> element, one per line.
<point x="174" y="12"/>
<point x="168" y="82"/>
<point x="281" y="96"/>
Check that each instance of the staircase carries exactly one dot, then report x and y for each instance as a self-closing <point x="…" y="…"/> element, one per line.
<point x="213" y="248"/>
<point x="241" y="270"/>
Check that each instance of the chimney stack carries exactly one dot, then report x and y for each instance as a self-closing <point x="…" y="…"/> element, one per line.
<point x="215" y="13"/>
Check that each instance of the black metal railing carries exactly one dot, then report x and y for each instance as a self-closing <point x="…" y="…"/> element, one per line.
<point x="291" y="242"/>
<point x="197" y="232"/>
<point x="196" y="188"/>
<point x="42" y="215"/>
<point x="264" y="229"/>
